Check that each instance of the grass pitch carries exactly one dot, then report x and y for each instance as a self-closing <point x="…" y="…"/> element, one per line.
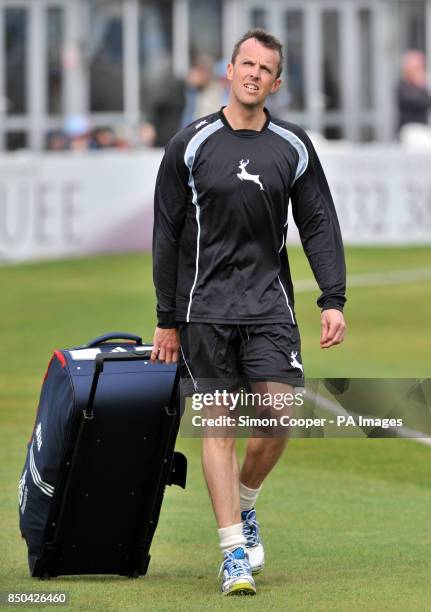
<point x="346" y="523"/>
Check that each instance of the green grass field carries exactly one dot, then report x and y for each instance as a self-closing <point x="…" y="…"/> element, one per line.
<point x="346" y="523"/>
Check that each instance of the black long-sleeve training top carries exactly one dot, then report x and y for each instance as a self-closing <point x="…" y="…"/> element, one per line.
<point x="220" y="224"/>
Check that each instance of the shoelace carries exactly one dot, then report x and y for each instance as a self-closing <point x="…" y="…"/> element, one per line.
<point x="235" y="567"/>
<point x="251" y="529"/>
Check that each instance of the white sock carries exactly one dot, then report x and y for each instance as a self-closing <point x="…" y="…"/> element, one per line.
<point x="248" y="497"/>
<point x="231" y="537"/>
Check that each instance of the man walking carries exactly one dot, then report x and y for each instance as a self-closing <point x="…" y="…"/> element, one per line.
<point x="225" y="304"/>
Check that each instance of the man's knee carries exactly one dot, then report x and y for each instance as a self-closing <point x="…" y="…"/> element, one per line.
<point x="219" y="444"/>
<point x="259" y="446"/>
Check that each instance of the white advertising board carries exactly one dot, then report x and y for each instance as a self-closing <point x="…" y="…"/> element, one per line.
<point x="65" y="205"/>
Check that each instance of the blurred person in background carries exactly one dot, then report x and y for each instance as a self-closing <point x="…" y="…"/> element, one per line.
<point x="146" y="135"/>
<point x="166" y="101"/>
<point x="57" y="141"/>
<point x="204" y="92"/>
<point x="223" y="82"/>
<point x="414" y="99"/>
<point x="103" y="138"/>
<point x="77" y="129"/>
<point x="123" y="138"/>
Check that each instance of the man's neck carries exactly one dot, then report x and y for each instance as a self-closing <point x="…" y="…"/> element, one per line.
<point x="241" y="118"/>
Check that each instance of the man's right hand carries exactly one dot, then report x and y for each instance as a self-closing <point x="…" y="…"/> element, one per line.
<point x="166" y="343"/>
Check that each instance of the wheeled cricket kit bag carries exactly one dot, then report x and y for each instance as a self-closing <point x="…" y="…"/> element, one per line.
<point x="98" y="461"/>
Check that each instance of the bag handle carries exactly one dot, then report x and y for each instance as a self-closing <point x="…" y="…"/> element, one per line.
<point x="113" y="336"/>
<point x="98" y="369"/>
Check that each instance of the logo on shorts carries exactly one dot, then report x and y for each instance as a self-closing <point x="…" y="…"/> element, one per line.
<point x="294" y="362"/>
<point x="245" y="176"/>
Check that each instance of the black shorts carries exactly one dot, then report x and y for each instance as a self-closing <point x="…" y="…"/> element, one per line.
<point x="225" y="357"/>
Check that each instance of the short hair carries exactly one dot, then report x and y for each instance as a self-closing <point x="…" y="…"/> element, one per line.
<point x="266" y="39"/>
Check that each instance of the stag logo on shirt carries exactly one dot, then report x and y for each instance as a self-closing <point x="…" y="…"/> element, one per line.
<point x="245" y="176"/>
<point x="200" y="124"/>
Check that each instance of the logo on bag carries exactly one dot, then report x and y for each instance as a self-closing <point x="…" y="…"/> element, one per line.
<point x="22" y="492"/>
<point x="118" y="349"/>
<point x="245" y="176"/>
<point x="294" y="362"/>
<point x="39" y="436"/>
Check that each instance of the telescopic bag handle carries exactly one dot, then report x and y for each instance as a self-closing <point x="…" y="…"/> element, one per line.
<point x="113" y="336"/>
<point x="98" y="368"/>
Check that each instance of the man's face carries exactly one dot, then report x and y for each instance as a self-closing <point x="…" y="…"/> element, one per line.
<point x="254" y="73"/>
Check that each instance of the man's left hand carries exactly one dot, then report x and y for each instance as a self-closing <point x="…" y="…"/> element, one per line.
<point x="333" y="327"/>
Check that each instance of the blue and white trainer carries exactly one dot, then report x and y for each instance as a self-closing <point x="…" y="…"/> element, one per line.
<point x="237" y="578"/>
<point x="254" y="546"/>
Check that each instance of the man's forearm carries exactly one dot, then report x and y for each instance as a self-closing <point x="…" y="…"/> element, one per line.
<point x="165" y="262"/>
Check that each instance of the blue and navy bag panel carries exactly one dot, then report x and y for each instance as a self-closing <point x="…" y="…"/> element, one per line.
<point x="44" y="452"/>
